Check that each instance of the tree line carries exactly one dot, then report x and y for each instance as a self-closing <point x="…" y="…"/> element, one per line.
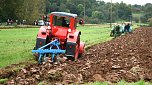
<point x="20" y="10"/>
<point x="92" y="11"/>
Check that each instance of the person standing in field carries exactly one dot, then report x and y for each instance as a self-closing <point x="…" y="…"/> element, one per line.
<point x="128" y="28"/>
<point x="122" y="27"/>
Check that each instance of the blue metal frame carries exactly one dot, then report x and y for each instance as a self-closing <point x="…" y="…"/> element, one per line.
<point x="42" y="51"/>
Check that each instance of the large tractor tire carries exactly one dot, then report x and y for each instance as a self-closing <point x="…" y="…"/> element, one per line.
<point x="112" y="33"/>
<point x="76" y="50"/>
<point x="81" y="49"/>
<point x="44" y="42"/>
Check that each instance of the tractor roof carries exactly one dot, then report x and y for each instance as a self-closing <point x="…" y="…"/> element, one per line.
<point x="64" y="14"/>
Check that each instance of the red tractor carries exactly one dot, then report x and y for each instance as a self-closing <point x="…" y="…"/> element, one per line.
<point x="63" y="33"/>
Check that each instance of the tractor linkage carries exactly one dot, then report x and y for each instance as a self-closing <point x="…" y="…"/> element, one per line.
<point x="53" y="50"/>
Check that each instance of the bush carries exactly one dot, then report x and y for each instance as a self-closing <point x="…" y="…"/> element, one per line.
<point x="94" y="21"/>
<point x="150" y="21"/>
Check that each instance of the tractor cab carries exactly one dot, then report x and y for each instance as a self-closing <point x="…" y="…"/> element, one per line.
<point x="61" y="23"/>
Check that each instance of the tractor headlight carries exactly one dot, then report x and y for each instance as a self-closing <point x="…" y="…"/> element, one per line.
<point x="49" y="27"/>
<point x="69" y="30"/>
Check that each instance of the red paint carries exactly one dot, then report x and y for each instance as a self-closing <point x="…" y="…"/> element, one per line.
<point x="40" y="43"/>
<point x="81" y="48"/>
<point x="75" y="34"/>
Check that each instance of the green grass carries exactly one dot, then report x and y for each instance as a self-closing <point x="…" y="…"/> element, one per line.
<point x="3" y="81"/>
<point x="16" y="45"/>
<point x="94" y="34"/>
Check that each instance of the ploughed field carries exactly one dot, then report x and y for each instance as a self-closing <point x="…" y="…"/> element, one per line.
<point x="128" y="57"/>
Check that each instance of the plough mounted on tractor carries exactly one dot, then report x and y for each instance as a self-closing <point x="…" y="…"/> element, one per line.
<point x="60" y="37"/>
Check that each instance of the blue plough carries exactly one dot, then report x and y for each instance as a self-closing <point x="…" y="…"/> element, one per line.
<point x="42" y="51"/>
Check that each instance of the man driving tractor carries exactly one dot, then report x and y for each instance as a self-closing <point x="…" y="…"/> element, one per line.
<point x="115" y="31"/>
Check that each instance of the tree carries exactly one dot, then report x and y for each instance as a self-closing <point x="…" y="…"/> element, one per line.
<point x="97" y="14"/>
<point x="63" y="8"/>
<point x="95" y="10"/>
<point x="124" y="11"/>
<point x="30" y="10"/>
<point x="148" y="11"/>
<point x="80" y="8"/>
<point x="7" y="9"/>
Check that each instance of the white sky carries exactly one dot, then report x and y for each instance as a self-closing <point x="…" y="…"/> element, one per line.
<point x="139" y="2"/>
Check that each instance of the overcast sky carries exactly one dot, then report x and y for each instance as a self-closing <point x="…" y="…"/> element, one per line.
<point x="139" y="2"/>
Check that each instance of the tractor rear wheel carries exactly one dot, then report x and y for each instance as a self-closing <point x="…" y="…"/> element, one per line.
<point x="44" y="42"/>
<point x="72" y="58"/>
<point x="77" y="48"/>
<point x="76" y="53"/>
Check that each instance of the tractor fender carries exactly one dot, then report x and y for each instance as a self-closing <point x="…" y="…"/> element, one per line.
<point x="72" y="36"/>
<point x="42" y="32"/>
<point x="41" y="37"/>
<point x="81" y="47"/>
<point x="71" y="43"/>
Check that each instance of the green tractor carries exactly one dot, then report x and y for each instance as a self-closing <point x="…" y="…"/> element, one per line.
<point x="117" y="30"/>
